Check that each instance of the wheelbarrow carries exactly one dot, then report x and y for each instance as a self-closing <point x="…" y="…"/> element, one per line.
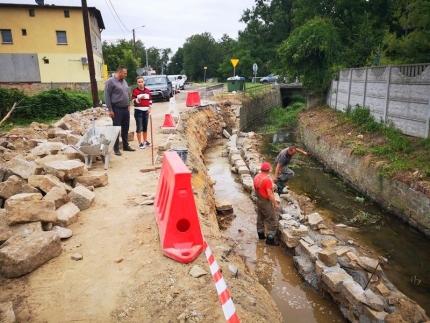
<point x="98" y="141"/>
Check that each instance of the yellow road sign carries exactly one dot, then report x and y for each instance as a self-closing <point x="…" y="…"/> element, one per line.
<point x="234" y="61"/>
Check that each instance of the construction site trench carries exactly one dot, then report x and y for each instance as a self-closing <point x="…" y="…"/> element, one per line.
<point x="112" y="269"/>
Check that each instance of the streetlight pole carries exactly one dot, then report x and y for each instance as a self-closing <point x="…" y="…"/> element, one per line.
<point x="134" y="41"/>
<point x="204" y="77"/>
<point x="147" y="66"/>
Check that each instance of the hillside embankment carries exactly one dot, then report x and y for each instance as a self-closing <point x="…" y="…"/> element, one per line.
<point x="332" y="141"/>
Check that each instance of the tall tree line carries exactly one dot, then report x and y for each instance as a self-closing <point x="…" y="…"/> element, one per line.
<point x="310" y="39"/>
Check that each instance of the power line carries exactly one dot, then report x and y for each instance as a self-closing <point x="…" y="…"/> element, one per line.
<point x="118" y="16"/>
<point x="122" y="30"/>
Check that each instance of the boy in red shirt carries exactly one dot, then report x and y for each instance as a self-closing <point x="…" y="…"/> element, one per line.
<point x="142" y="100"/>
<point x="267" y="205"/>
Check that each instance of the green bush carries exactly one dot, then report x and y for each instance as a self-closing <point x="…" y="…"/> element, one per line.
<point x="8" y="98"/>
<point x="53" y="104"/>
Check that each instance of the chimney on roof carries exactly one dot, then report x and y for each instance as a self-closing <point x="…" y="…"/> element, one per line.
<point x="40" y="2"/>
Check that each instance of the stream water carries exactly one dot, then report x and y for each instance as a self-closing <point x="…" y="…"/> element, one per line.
<point x="273" y="265"/>
<point x="406" y="249"/>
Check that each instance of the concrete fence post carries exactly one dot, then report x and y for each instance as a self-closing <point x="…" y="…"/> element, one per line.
<point x="337" y="90"/>
<point x="387" y="96"/>
<point x="349" y="88"/>
<point x="365" y="87"/>
<point x="427" y="126"/>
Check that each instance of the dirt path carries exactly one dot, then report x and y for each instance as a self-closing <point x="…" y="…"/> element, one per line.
<point x="145" y="286"/>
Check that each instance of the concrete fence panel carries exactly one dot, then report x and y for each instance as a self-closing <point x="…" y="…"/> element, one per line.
<point x="398" y="94"/>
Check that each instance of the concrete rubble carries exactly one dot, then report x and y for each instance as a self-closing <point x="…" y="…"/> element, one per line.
<point x="44" y="185"/>
<point x="331" y="266"/>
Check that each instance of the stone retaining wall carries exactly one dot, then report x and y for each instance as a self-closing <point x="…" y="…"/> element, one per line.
<point x="252" y="111"/>
<point x="411" y="205"/>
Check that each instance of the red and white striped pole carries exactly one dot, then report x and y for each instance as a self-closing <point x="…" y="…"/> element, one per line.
<point x="221" y="287"/>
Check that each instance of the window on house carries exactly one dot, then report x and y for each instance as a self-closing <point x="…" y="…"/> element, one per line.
<point x="61" y="38"/>
<point x="24" y="32"/>
<point x="6" y="36"/>
<point x="31" y="12"/>
<point x="67" y="13"/>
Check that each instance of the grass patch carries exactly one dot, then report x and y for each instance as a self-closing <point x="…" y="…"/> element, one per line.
<point x="403" y="153"/>
<point x="283" y="118"/>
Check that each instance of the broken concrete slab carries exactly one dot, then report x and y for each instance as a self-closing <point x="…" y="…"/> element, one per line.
<point x="58" y="195"/>
<point x="340" y="251"/>
<point x="369" y="264"/>
<point x="21" y="167"/>
<point x="92" y="178"/>
<point x="67" y="214"/>
<point x="48" y="148"/>
<point x="223" y="206"/>
<point x="372" y="300"/>
<point x="29" y="189"/>
<point x="314" y="219"/>
<point x="328" y="243"/>
<point x="82" y="197"/>
<point x="328" y="257"/>
<point x="247" y="182"/>
<point x="12" y="186"/>
<point x="8" y="231"/>
<point x="65" y="169"/>
<point x="301" y="231"/>
<point x="46" y="182"/>
<point x="334" y="277"/>
<point x="310" y="248"/>
<point x="29" y="207"/>
<point x="353" y="292"/>
<point x="19" y="256"/>
<point x="243" y="170"/>
<point x="382" y="289"/>
<point x="290" y="240"/>
<point x="62" y="232"/>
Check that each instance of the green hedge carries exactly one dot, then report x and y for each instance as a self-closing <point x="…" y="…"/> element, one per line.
<point x="45" y="105"/>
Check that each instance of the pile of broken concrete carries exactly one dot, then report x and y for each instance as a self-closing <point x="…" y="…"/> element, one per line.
<point x="44" y="184"/>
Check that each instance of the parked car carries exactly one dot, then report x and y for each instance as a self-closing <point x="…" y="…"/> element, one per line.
<point x="180" y="80"/>
<point x="160" y="86"/>
<point x="271" y="78"/>
<point x="175" y="83"/>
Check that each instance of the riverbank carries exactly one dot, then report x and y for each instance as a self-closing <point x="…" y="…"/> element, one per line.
<point x="334" y="142"/>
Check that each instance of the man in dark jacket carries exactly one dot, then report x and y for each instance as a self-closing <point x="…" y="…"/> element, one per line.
<point x="282" y="172"/>
<point x="117" y="100"/>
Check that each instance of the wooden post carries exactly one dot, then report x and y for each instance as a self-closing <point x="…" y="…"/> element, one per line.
<point x="94" y="90"/>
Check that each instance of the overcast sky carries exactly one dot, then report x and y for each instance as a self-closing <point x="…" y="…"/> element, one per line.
<point x="167" y="22"/>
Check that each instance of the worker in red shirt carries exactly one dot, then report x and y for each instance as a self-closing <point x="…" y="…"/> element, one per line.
<point x="142" y="100"/>
<point x="266" y="205"/>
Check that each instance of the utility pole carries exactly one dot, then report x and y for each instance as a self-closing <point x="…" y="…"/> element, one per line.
<point x="134" y="41"/>
<point x="134" y="44"/>
<point x="94" y="90"/>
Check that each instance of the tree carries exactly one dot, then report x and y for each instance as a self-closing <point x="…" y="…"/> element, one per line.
<point x="360" y="24"/>
<point x="311" y="53"/>
<point x="408" y="40"/>
<point x="199" y="51"/>
<point x="267" y="26"/>
<point x="131" y="64"/>
<point x="176" y="63"/>
<point x="164" y="59"/>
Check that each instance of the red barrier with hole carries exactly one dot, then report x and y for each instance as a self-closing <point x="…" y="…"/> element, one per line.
<point x="175" y="211"/>
<point x="193" y="99"/>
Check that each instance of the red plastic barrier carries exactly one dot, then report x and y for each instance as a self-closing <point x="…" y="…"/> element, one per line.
<point x="175" y="211"/>
<point x="168" y="121"/>
<point x="193" y="99"/>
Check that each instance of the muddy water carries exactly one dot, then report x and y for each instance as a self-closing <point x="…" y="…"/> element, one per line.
<point x="406" y="249"/>
<point x="273" y="265"/>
